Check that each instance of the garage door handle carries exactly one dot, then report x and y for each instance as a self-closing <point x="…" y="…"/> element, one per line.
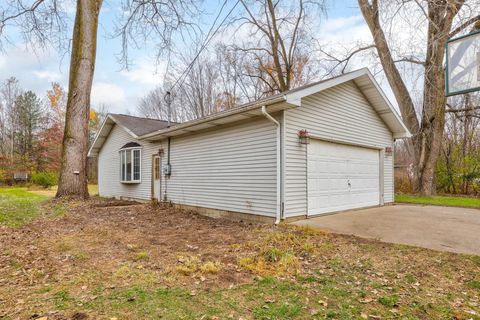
<point x="349" y="184"/>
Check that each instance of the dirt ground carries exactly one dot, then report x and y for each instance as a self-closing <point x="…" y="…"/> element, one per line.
<point x="73" y="266"/>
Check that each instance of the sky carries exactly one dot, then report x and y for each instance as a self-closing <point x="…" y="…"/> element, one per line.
<point x="118" y="89"/>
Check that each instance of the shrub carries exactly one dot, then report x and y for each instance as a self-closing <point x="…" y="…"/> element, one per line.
<point x="45" y="179"/>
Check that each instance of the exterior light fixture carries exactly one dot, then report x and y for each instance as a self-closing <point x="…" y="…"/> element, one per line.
<point x="388" y="151"/>
<point x="304" y="136"/>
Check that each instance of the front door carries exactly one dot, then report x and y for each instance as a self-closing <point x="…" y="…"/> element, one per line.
<point x="156" y="177"/>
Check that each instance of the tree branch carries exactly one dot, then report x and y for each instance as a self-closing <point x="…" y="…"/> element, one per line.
<point x="21" y="13"/>
<point x="410" y="60"/>
<point x="452" y="110"/>
<point x="464" y="25"/>
<point x="347" y="59"/>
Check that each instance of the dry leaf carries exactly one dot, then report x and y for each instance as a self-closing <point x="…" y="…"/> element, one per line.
<point x="365" y="300"/>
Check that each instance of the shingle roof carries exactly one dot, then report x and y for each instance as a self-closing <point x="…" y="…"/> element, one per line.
<point x="140" y="126"/>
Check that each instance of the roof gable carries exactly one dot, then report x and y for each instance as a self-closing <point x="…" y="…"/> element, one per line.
<point x="370" y="89"/>
<point x="139" y="126"/>
<point x="134" y="126"/>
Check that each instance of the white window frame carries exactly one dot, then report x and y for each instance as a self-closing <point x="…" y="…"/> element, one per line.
<point x="123" y="152"/>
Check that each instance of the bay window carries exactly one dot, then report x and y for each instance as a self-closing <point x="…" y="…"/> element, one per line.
<point x="130" y="163"/>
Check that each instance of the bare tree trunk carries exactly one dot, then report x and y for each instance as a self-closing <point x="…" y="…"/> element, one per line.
<point x="73" y="174"/>
<point x="427" y="136"/>
<point x="434" y="101"/>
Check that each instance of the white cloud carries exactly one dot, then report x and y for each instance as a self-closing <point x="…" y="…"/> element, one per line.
<point x="344" y="31"/>
<point x="110" y="95"/>
<point x="50" y="76"/>
<point x="145" y="73"/>
<point x="35" y="71"/>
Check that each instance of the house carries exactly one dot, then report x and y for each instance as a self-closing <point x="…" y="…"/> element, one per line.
<point x="322" y="148"/>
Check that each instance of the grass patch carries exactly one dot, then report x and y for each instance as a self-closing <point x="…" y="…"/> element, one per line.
<point x="92" y="190"/>
<point x="439" y="200"/>
<point x="474" y="284"/>
<point x="211" y="267"/>
<point x="18" y="206"/>
<point x="389" y="301"/>
<point x="187" y="264"/>
<point x="62" y="299"/>
<point x="280" y="253"/>
<point x="142" y="255"/>
<point x="264" y="299"/>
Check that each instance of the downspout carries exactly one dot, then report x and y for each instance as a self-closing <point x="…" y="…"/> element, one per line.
<point x="166" y="176"/>
<point x="279" y="168"/>
<point x="168" y="100"/>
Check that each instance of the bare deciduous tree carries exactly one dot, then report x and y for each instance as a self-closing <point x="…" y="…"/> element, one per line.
<point x="428" y="132"/>
<point x="442" y="21"/>
<point x="279" y="45"/>
<point x="201" y="92"/>
<point x="10" y="91"/>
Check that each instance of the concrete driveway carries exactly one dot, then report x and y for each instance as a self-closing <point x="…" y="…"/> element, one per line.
<point x="434" y="227"/>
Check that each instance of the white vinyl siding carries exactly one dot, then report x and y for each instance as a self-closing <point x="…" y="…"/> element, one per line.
<point x="231" y="168"/>
<point x="343" y="114"/>
<point x="109" y="184"/>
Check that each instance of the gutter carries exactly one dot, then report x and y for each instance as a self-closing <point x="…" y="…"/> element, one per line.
<point x="220" y="115"/>
<point x="279" y="168"/>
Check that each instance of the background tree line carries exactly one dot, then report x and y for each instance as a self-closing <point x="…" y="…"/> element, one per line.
<point x="31" y="129"/>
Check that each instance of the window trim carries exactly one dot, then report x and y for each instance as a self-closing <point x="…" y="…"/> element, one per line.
<point x="124" y="151"/>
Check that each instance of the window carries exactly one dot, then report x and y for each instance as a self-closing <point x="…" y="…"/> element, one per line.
<point x="130" y="163"/>
<point x="136" y="164"/>
<point x="156" y="168"/>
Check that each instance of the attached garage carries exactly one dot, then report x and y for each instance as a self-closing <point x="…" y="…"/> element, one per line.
<point x="322" y="148"/>
<point x="342" y="177"/>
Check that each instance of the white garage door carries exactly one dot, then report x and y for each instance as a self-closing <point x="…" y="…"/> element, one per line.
<point x="341" y="177"/>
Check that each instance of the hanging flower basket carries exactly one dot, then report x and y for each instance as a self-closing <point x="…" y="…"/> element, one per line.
<point x="304" y="136"/>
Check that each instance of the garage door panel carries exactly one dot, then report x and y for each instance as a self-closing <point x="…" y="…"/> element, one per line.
<point x="341" y="177"/>
<point x="321" y="165"/>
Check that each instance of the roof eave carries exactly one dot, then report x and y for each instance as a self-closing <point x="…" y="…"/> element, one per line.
<point x="402" y="135"/>
<point x="164" y="133"/>
<point x="405" y="133"/>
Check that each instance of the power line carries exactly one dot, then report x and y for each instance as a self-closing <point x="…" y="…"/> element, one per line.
<point x="208" y="38"/>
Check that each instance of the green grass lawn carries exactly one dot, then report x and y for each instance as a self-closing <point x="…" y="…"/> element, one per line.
<point x="19" y="205"/>
<point x="439" y="200"/>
